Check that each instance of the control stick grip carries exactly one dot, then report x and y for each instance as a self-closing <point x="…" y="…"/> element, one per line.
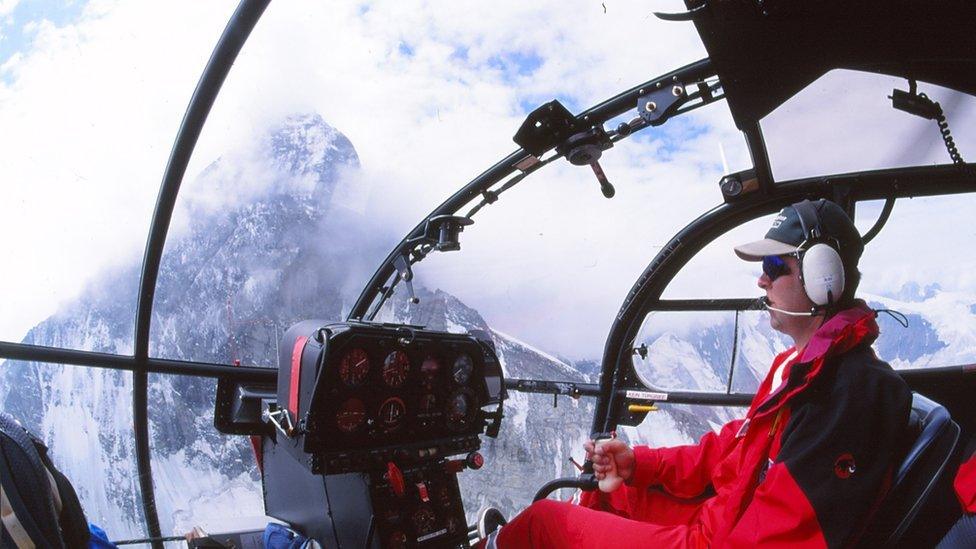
<point x="605" y="186"/>
<point x="612" y="480"/>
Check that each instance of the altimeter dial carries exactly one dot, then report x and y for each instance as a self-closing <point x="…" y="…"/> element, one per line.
<point x="354" y="367"/>
<point x="396" y="367"/>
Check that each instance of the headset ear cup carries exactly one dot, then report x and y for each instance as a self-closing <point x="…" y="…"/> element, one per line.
<point x="823" y="274"/>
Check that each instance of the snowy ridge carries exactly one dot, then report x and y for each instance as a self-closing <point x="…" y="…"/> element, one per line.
<point x="511" y="340"/>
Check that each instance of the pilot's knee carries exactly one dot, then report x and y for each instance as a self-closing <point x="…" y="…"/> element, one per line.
<point x="547" y="511"/>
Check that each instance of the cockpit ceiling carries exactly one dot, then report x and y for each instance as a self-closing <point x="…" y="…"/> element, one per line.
<point x="765" y="51"/>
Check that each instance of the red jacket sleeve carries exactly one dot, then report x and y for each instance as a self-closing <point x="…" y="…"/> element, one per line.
<point x="684" y="471"/>
<point x="836" y="456"/>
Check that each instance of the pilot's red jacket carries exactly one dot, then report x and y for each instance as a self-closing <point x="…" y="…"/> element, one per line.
<point x="805" y="468"/>
<point x="965" y="486"/>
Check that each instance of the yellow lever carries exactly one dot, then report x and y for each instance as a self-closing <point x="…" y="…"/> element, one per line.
<point x="637" y="408"/>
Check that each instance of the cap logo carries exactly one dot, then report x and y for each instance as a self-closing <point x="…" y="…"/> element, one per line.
<point x="778" y="221"/>
<point x="844" y="466"/>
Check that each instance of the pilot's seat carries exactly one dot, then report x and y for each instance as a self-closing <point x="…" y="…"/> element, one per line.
<point x="920" y="506"/>
<point x="39" y="505"/>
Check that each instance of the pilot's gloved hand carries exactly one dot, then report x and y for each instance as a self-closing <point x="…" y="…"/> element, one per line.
<point x="611" y="458"/>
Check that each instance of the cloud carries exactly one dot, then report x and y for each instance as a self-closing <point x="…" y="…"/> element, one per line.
<point x="7" y="7"/>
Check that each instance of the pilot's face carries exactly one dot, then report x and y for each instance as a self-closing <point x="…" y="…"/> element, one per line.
<point x="786" y="292"/>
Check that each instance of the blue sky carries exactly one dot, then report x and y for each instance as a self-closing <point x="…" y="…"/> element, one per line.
<point x="15" y="24"/>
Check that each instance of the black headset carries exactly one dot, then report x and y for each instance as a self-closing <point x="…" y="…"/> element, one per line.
<point x="821" y="265"/>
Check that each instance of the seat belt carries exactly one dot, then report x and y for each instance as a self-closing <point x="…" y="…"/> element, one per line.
<point x="12" y="524"/>
<point x="55" y="493"/>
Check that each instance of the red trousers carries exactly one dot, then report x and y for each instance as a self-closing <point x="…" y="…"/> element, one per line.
<point x="626" y="518"/>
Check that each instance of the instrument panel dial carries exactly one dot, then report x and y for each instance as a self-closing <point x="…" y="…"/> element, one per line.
<point x="462" y="369"/>
<point x="395" y="369"/>
<point x="459" y="408"/>
<point x="391" y="413"/>
<point x="424" y="520"/>
<point x="430" y="366"/>
<point x="428" y="403"/>
<point x="354" y="367"/>
<point x="397" y="540"/>
<point x="351" y="415"/>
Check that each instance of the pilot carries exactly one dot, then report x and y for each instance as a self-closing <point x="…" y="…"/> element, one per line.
<point x="811" y="458"/>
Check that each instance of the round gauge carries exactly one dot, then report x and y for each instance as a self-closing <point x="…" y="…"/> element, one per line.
<point x="463" y="366"/>
<point x="423" y="520"/>
<point x="459" y="407"/>
<point x="395" y="368"/>
<point x="397" y="540"/>
<point x="431" y="366"/>
<point x="351" y="415"/>
<point x="391" y="413"/>
<point x="354" y="367"/>
<point x="428" y="403"/>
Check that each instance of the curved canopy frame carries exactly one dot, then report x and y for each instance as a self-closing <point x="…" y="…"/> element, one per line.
<point x="617" y="369"/>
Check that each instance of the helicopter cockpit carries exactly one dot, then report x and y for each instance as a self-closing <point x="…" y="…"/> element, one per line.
<point x="396" y="377"/>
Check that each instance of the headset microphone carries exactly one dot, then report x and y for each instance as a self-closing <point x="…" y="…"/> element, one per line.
<point x="765" y="303"/>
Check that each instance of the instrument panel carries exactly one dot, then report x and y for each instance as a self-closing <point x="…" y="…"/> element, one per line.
<point x="427" y="512"/>
<point x="361" y="394"/>
<point x="426" y="390"/>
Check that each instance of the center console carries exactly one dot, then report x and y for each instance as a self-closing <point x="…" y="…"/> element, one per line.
<point x="369" y="428"/>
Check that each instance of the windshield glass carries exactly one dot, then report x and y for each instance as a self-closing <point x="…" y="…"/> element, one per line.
<point x="844" y="122"/>
<point x="904" y="272"/>
<point x="321" y="152"/>
<point x="549" y="264"/>
<point x="89" y="111"/>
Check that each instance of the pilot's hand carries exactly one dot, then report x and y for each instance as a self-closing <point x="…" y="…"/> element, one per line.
<point x="610" y="453"/>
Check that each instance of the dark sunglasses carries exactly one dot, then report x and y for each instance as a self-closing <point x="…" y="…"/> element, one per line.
<point x="774" y="267"/>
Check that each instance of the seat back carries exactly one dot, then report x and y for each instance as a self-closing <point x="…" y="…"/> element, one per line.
<point x="39" y="506"/>
<point x="920" y="505"/>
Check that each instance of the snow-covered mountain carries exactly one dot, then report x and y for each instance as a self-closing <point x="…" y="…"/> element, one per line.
<point x="250" y="263"/>
<point x="266" y="245"/>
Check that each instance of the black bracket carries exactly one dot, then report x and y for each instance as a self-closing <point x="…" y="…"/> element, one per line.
<point x="546" y="127"/>
<point x="441" y="233"/>
<point x="552" y="125"/>
<point x="448" y="228"/>
<point x="494" y="420"/>
<point x="689" y="15"/>
<point x="402" y="265"/>
<point x="914" y="103"/>
<point x="641" y="351"/>
<point x="655" y="106"/>
<point x="736" y="185"/>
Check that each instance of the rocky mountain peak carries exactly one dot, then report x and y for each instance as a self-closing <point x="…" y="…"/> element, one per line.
<point x="305" y="144"/>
